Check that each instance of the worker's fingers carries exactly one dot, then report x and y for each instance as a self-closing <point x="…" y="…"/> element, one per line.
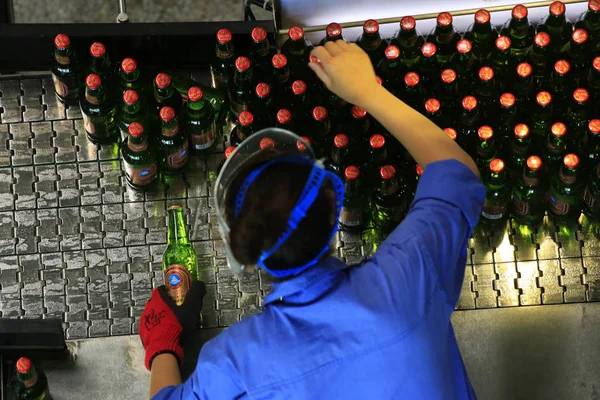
<point x="342" y="44"/>
<point x="354" y="47"/>
<point x="320" y="71"/>
<point x="334" y="48"/>
<point x="322" y="54"/>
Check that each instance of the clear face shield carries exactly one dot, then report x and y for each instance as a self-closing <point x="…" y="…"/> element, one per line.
<point x="284" y="141"/>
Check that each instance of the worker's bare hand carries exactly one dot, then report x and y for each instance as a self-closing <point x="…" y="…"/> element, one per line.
<point x="346" y="70"/>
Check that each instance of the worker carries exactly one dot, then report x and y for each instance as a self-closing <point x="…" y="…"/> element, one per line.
<point x="378" y="330"/>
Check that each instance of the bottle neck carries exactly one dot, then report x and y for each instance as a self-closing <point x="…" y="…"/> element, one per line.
<point x="496" y="180"/>
<point x="224" y="51"/>
<point x="62" y="56"/>
<point x="99" y="64"/>
<point x="244" y="131"/>
<point x="378" y="156"/>
<point x="261" y="49"/>
<point x="177" y="232"/>
<point x="161" y="94"/>
<point x="485" y="28"/>
<point x="242" y="78"/>
<point x="409" y="37"/>
<point x="137" y="144"/>
<point x="339" y="156"/>
<point x="531" y="177"/>
<point x="486" y="148"/>
<point x="568" y="176"/>
<point x="389" y="187"/>
<point x="555" y="145"/>
<point x="370" y="41"/>
<point x="94" y="96"/>
<point x="470" y="117"/>
<point x="131" y="109"/>
<point x="196" y="107"/>
<point x="352" y="187"/>
<point x="169" y="128"/>
<point x="29" y="378"/>
<point x="130" y="76"/>
<point x="591" y="141"/>
<point x="556" y="20"/>
<point x="282" y="75"/>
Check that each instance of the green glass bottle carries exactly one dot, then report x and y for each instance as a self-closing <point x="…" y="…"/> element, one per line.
<point x="98" y="112"/>
<point x="372" y="42"/>
<point x="578" y="114"/>
<point x="300" y="101"/>
<point x="590" y="21"/>
<point x="555" y="148"/>
<point x="564" y="198"/>
<point x="520" y="32"/>
<point x="333" y="32"/>
<point x="487" y="88"/>
<point x="29" y="382"/>
<point x="561" y="83"/>
<point x="358" y="125"/>
<point x="589" y="147"/>
<point x="468" y="123"/>
<point x="578" y="50"/>
<point x="517" y="150"/>
<point x="263" y="105"/>
<point x="389" y="203"/>
<point x="199" y="122"/>
<point x="593" y="83"/>
<point x="180" y="264"/>
<point x="432" y="109"/>
<point x="409" y="41"/>
<point x="557" y="25"/>
<point x="464" y="62"/>
<point x="540" y="117"/>
<point x="505" y="117"/>
<point x="295" y="49"/>
<point x="285" y="120"/>
<point x="172" y="143"/>
<point x="482" y="35"/>
<point x="447" y="89"/>
<point x="261" y="52"/>
<point x="243" y="128"/>
<point x="165" y="94"/>
<point x="500" y="58"/>
<point x="129" y="77"/>
<point x="429" y="67"/>
<point x="65" y="70"/>
<point x="100" y="62"/>
<point x="377" y="156"/>
<point x="591" y="196"/>
<point x="445" y="37"/>
<point x="241" y="88"/>
<point x="528" y="201"/>
<point x="280" y="73"/>
<point x="223" y="60"/>
<point x="412" y="90"/>
<point x="497" y="199"/>
<point x="340" y="154"/>
<point x="486" y="149"/>
<point x="353" y="215"/>
<point x="524" y="86"/>
<point x="540" y="57"/>
<point x="320" y="131"/>
<point x="131" y="111"/>
<point x="390" y="68"/>
<point x="139" y="159"/>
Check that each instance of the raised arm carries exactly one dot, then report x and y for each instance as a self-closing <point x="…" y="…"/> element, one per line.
<point x="347" y="71"/>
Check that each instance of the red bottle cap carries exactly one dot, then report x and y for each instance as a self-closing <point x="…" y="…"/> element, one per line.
<point x="23" y="365"/>
<point x="562" y="67"/>
<point x="392" y="52"/>
<point x="298" y="87"/>
<point x="519" y="11"/>
<point x="341" y="140"/>
<point x="93" y="81"/>
<point x="521" y="131"/>
<point x="62" y="41"/>
<point x="246" y="118"/>
<point x="352" y="172"/>
<point x="229" y="150"/>
<point x="195" y="93"/>
<point x="444" y="19"/>
<point x="136" y="129"/>
<point x="534" y="163"/>
<point x="432" y="105"/>
<point x="408" y="23"/>
<point x="263" y="90"/>
<point x="279" y="61"/>
<point x="224" y="36"/>
<point x="451" y="132"/>
<point x="580" y="36"/>
<point x="482" y="16"/>
<point x="162" y="80"/>
<point x="300" y="146"/>
<point x="464" y="46"/>
<point x="358" y="112"/>
<point x="558" y="129"/>
<point x="296" y="33"/>
<point x="167" y="113"/>
<point x="507" y="100"/>
<point x="485" y="132"/>
<point x="542" y="39"/>
<point x="557" y="8"/>
<point x="128" y="65"/>
<point x="387" y="172"/>
<point x="130" y="97"/>
<point x="448" y="76"/>
<point x="334" y="30"/>
<point x="543" y="98"/>
<point x="371" y="26"/>
<point x="379" y="80"/>
<point x="596" y="63"/>
<point x="314" y="59"/>
<point x="594" y="126"/>
<point x="266" y="143"/>
<point x="581" y="95"/>
<point x="496" y="165"/>
<point x="503" y="43"/>
<point x="412" y="79"/>
<point x="571" y="161"/>
<point x="469" y="103"/>
<point x="428" y="49"/>
<point x="284" y="116"/>
<point x="486" y="74"/>
<point x="242" y="63"/>
<point x="97" y="49"/>
<point x="594" y="5"/>
<point x="419" y="170"/>
<point x="319" y="113"/>
<point x="377" y="141"/>
<point x="524" y="70"/>
<point x="307" y="140"/>
<point x="259" y="34"/>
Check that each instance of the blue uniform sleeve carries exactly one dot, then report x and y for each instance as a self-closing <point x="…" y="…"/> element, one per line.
<point x="438" y="225"/>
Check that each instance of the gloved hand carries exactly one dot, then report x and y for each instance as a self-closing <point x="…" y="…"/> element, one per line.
<point x="163" y="322"/>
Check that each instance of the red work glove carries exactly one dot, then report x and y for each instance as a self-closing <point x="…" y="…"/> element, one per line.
<point x="163" y="322"/>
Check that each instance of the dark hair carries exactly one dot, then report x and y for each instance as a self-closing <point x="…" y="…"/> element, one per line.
<point x="266" y="210"/>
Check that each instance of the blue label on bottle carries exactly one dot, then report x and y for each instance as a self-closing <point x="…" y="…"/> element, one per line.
<point x="174" y="281"/>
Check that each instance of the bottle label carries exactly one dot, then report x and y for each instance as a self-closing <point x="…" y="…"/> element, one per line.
<point x="204" y="140"/>
<point x="179" y="158"/>
<point x="170" y="131"/>
<point x="178" y="282"/>
<point x="589" y="198"/>
<point x="31" y="381"/>
<point x="60" y="87"/>
<point x="553" y="148"/>
<point x="556" y="205"/>
<point x="520" y="207"/>
<point x="63" y="60"/>
<point x="493" y="211"/>
<point x="143" y="175"/>
<point x="351" y="217"/>
<point x="519" y="149"/>
<point x="137" y="147"/>
<point x="91" y="99"/>
<point x="569" y="180"/>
